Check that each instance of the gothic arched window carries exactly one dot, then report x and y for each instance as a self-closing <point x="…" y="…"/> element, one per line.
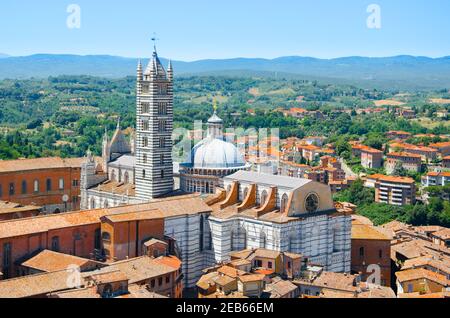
<point x="24" y="187"/>
<point x="36" y="186"/>
<point x="284" y="203"/>
<point x="245" y="193"/>
<point x="264" y="196"/>
<point x="262" y="240"/>
<point x="49" y="184"/>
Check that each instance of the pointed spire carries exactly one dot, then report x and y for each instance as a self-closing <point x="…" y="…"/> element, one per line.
<point x="105" y="136"/>
<point x="139" y="67"/>
<point x="170" y="70"/>
<point x="139" y="70"/>
<point x="215" y="105"/>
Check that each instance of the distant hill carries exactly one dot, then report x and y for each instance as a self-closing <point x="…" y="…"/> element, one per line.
<point x="398" y="72"/>
<point x="2" y="55"/>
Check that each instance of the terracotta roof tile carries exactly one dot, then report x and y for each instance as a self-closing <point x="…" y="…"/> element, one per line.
<point x="49" y="261"/>
<point x="39" y="164"/>
<point x="420" y="273"/>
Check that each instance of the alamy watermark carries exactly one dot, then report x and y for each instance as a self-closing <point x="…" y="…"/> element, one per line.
<point x="74" y="19"/>
<point x="374" y="19"/>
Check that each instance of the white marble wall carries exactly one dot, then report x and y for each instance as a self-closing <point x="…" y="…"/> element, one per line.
<point x="325" y="240"/>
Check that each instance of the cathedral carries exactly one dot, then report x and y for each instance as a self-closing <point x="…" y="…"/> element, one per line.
<point x="140" y="169"/>
<point x="234" y="209"/>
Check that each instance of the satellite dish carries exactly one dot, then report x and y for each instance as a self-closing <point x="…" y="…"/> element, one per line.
<point x="65" y="198"/>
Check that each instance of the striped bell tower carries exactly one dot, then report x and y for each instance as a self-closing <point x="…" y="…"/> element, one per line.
<point x="154" y="125"/>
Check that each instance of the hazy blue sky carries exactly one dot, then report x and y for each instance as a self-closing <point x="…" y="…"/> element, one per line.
<point x="198" y="29"/>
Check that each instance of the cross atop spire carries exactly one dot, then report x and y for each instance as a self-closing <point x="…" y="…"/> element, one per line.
<point x="215" y="105"/>
<point x="154" y="39"/>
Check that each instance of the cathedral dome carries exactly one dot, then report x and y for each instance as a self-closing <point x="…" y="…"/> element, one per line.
<point x="214" y="153"/>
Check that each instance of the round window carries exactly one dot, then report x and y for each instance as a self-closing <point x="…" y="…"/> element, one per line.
<point x="312" y="203"/>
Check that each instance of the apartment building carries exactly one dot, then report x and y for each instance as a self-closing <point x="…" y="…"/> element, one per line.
<point x="371" y="158"/>
<point x="398" y="135"/>
<point x="409" y="161"/>
<point x="427" y="153"/>
<point x="393" y="190"/>
<point x="442" y="147"/>
<point x="436" y="179"/>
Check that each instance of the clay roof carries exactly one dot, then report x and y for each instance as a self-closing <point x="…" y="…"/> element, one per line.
<point x="251" y="278"/>
<point x="240" y="262"/>
<point x="46" y="223"/>
<point x="376" y="291"/>
<point x="298" y="110"/>
<point x="224" y="280"/>
<point x="292" y="255"/>
<point x="116" y="188"/>
<point x="39" y="164"/>
<point x="367" y="232"/>
<point x="440" y="263"/>
<point x="10" y="207"/>
<point x="439" y="174"/>
<point x="440" y="144"/>
<point x="337" y="281"/>
<point x="135" y="270"/>
<point x="368" y="149"/>
<point x="411" y="147"/>
<point x="169" y="207"/>
<point x="230" y="271"/>
<point x="359" y="219"/>
<point x="282" y="288"/>
<point x="136" y="291"/>
<point x="135" y="216"/>
<point x="170" y="261"/>
<point x="242" y="254"/>
<point x="404" y="154"/>
<point x="420" y="273"/>
<point x="207" y="280"/>
<point x="34" y="285"/>
<point x="392" y="179"/>
<point x="83" y="293"/>
<point x="442" y="234"/>
<point x="264" y="253"/>
<point x="420" y="247"/>
<point x="109" y="276"/>
<point x="49" y="261"/>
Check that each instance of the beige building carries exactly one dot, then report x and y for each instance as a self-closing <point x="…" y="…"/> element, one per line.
<point x="409" y="161"/>
<point x="392" y="190"/>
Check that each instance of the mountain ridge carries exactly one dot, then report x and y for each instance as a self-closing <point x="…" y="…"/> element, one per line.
<point x="420" y="72"/>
